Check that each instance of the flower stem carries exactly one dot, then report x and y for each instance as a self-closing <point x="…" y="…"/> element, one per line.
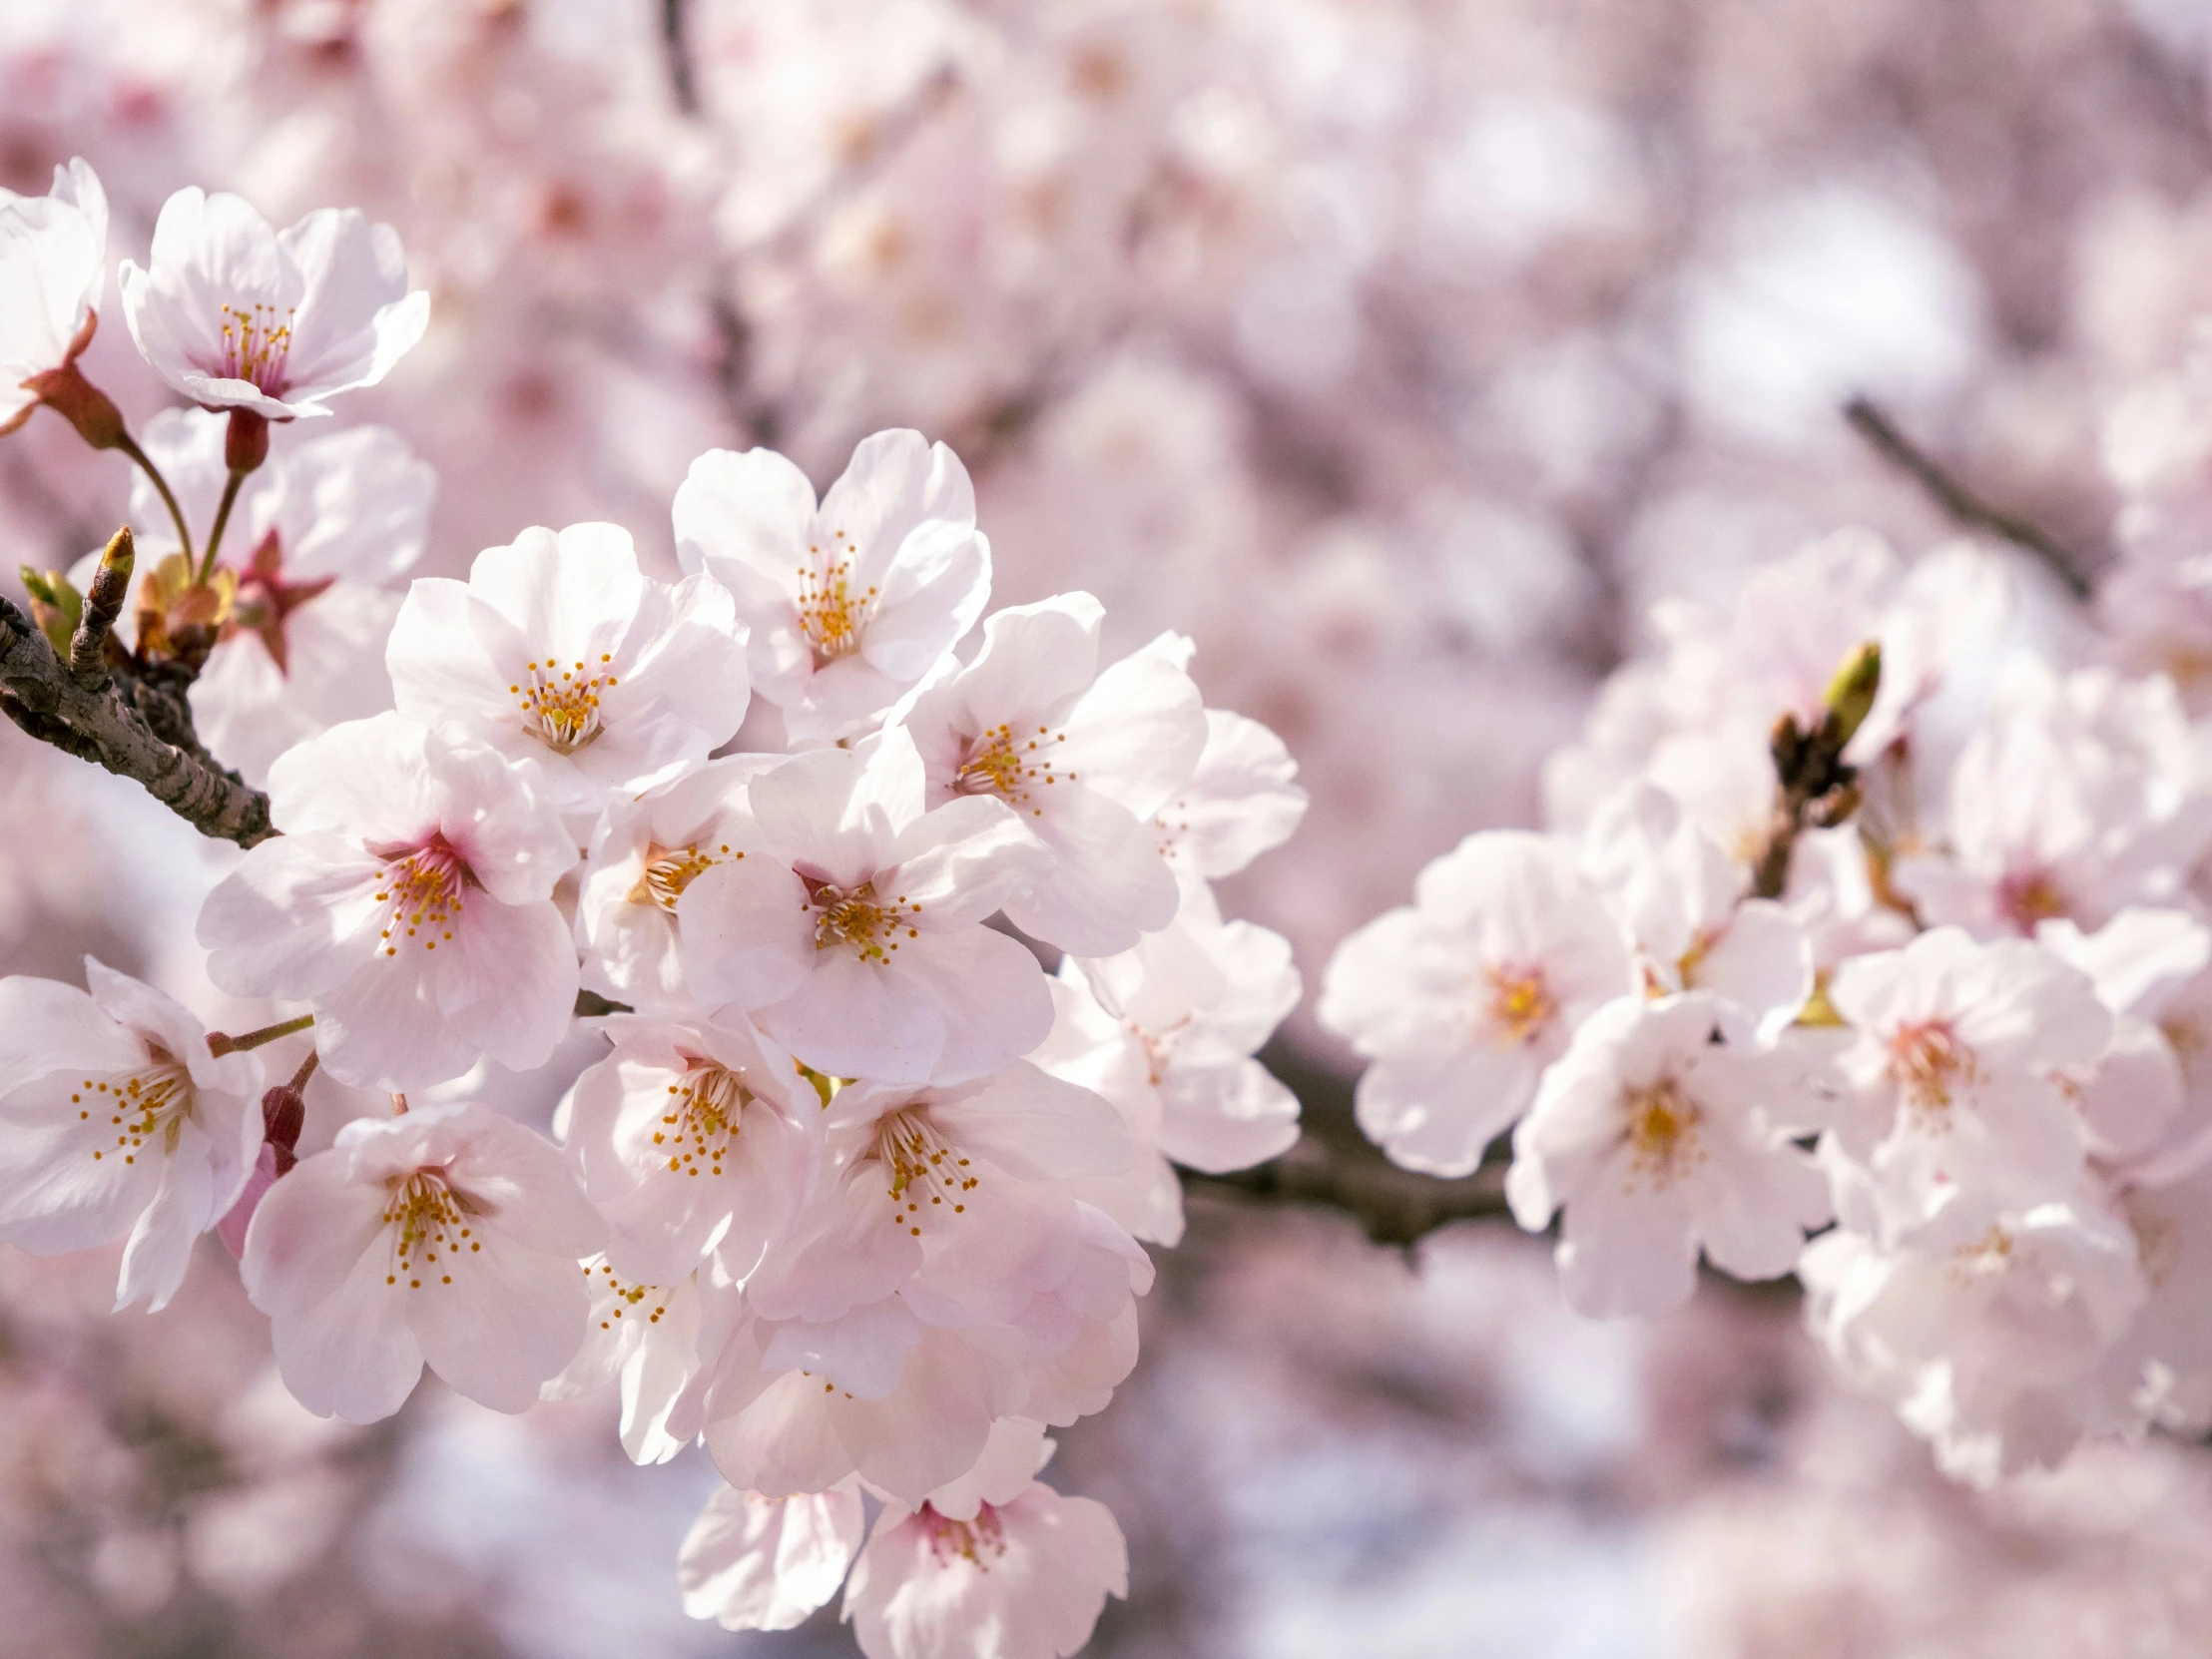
<point x="221" y="521"/>
<point x="220" y="1044"/>
<point x="129" y="446"/>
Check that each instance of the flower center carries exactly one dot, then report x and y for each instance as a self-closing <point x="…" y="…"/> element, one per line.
<point x="855" y="917"/>
<point x="922" y="1166"/>
<point x="1930" y="1065"/>
<point x="670" y="870"/>
<point x="560" y="705"/>
<point x="1521" y="1002"/>
<point x="706" y="1109"/>
<point x="426" y="1217"/>
<point x="647" y="1300"/>
<point x="1662" y="1132"/>
<point x="257" y="347"/>
<point x="2026" y="897"/>
<point x="998" y="763"/>
<point x="831" y="612"/>
<point x="979" y="1541"/>
<point x="1989" y="1255"/>
<point x="422" y="887"/>
<point x="140" y="1105"/>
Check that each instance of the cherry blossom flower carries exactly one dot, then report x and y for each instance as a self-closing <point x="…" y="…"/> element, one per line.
<point x="962" y="1201"/>
<point x="558" y="652"/>
<point x="1085" y="759"/>
<point x="1463" y="999"/>
<point x="53" y="267"/>
<point x="235" y="314"/>
<point x="1951" y="1067"/>
<point x="449" y="1236"/>
<point x="853" y="928"/>
<point x="645" y="851"/>
<point x="852" y="601"/>
<point x="753" y="1562"/>
<point x="1024" y="1578"/>
<point x="1983" y="1328"/>
<point x="397" y="840"/>
<point x="687" y="1138"/>
<point x="1657" y="1139"/>
<point x="1166" y="1032"/>
<point x="119" y="1120"/>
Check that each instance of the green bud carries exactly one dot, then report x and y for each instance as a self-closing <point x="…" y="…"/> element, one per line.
<point x="1851" y="693"/>
<point x="55" y="606"/>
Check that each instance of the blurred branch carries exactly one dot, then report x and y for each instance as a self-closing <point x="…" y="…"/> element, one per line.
<point x="1335" y="1166"/>
<point x="681" y="79"/>
<point x="1961" y="503"/>
<point x="136" y="723"/>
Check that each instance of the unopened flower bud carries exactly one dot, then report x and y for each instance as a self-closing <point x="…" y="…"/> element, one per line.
<point x="245" y="444"/>
<point x="283" y="1115"/>
<point x="1850" y="693"/>
<point x="55" y="606"/>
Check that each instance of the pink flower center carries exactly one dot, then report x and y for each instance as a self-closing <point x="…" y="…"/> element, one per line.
<point x="560" y="705"/>
<point x="831" y="614"/>
<point x="1662" y="1133"/>
<point x="922" y="1166"/>
<point x="1930" y="1065"/>
<point x="257" y="347"/>
<point x="422" y="891"/>
<point x="706" y="1109"/>
<point x="140" y="1105"/>
<point x="980" y="1542"/>
<point x="2026" y="897"/>
<point x="670" y="870"/>
<point x="428" y="1223"/>
<point x="1010" y="767"/>
<point x="855" y="917"/>
<point x="1520" y="1003"/>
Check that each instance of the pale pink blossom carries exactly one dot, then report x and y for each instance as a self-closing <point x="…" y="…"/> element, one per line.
<point x="236" y="315"/>
<point x="449" y="1236"/>
<point x="53" y="267"/>
<point x="408" y="901"/>
<point x="753" y="1562"/>
<point x="849" y="602"/>
<point x="117" y="1120"/>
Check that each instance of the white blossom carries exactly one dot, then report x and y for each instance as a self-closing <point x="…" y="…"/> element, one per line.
<point x="53" y="267"/>
<point x="753" y="1562"/>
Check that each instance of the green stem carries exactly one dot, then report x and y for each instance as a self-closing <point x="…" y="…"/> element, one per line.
<point x="222" y="520"/>
<point x="129" y="447"/>
<point x="220" y="1044"/>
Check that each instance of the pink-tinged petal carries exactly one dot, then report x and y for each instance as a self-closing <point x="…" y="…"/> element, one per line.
<point x="307" y="1234"/>
<point x="852" y="1250"/>
<point x="296" y="918"/>
<point x="1637" y="1256"/>
<point x="1226" y="1117"/>
<point x="746" y="934"/>
<point x="752" y="1562"/>
<point x="897" y="483"/>
<point x="47" y="1026"/>
<point x="368" y="780"/>
<point x="1241" y="800"/>
<point x="524" y="1186"/>
<point x="350" y="1354"/>
<point x="508" y="987"/>
<point x="855" y="1018"/>
<point x="381" y="1028"/>
<point x="749" y="515"/>
<point x="861" y="1352"/>
<point x="990" y="997"/>
<point x="683" y="696"/>
<point x="355" y="506"/>
<point x="236" y="1219"/>
<point x="963" y="860"/>
<point x="1034" y="1126"/>
<point x="782" y="1440"/>
<point x="66" y="1180"/>
<point x="497" y="1323"/>
<point x="183" y="1206"/>
<point x="930" y="598"/>
<point x="1438" y="1116"/>
<point x="1138" y="733"/>
<point x="508" y="833"/>
<point x="930" y="1429"/>
<point x="439" y="671"/>
<point x="1109" y="885"/>
<point x="841" y="811"/>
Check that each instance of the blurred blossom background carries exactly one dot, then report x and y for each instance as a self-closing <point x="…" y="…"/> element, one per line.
<point x="1404" y="353"/>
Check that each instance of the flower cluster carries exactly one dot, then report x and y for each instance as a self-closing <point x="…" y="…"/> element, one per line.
<point x="855" y="1190"/>
<point x="1871" y="943"/>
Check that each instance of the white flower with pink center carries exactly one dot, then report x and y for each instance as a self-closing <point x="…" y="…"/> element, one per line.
<point x="1660" y="1140"/>
<point x="235" y="314"/>
<point x="1084" y="759"/>
<point x="448" y="1236"/>
<point x="117" y="1119"/>
<point x="408" y="901"/>
<point x="1955" y="1067"/>
<point x="1463" y="999"/>
<point x="851" y="601"/>
<point x="560" y="652"/>
<point x="851" y="931"/>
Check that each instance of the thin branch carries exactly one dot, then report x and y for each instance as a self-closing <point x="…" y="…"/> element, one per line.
<point x="1961" y="503"/>
<point x="682" y="82"/>
<point x="1334" y="1166"/>
<point x="135" y="727"/>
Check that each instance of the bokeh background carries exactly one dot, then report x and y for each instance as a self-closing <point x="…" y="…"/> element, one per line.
<point x="1403" y="352"/>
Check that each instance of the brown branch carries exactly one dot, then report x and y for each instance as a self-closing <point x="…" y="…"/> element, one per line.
<point x="1963" y="504"/>
<point x="1335" y="1166"/>
<point x="137" y="727"/>
<point x="674" y="39"/>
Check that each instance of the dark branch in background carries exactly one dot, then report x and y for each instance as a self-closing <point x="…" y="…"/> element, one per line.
<point x="1961" y="503"/>
<point x="681" y="81"/>
<point x="130" y="717"/>
<point x="1335" y="1167"/>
